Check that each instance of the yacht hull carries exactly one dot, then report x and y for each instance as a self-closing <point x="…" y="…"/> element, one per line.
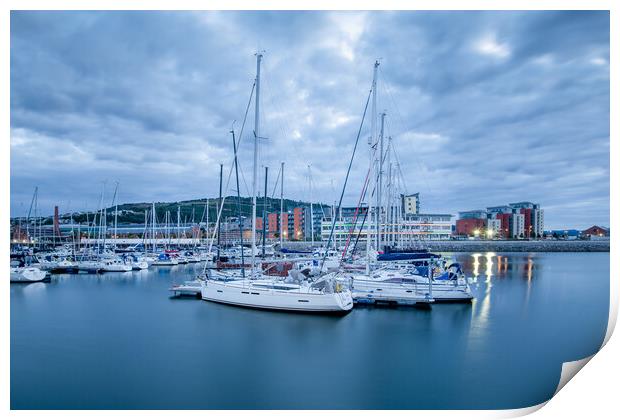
<point x="27" y="275"/>
<point x="238" y="295"/>
<point x="397" y="294"/>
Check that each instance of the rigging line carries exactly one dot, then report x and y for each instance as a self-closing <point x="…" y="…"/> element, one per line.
<point x="396" y="157"/>
<point x="398" y="161"/>
<point x="372" y="194"/>
<point x="354" y="222"/>
<point x="219" y="213"/>
<point x="346" y="179"/>
<point x="241" y="135"/>
<point x="320" y="204"/>
<point x="245" y="184"/>
<point x="273" y="193"/>
<point x="269" y="90"/>
<point x="401" y="120"/>
<point x="203" y="212"/>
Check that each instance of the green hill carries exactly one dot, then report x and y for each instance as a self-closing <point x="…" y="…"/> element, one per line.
<point x="191" y="210"/>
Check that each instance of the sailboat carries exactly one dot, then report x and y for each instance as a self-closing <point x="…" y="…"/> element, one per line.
<point x="265" y="292"/>
<point x="27" y="274"/>
<point x="425" y="282"/>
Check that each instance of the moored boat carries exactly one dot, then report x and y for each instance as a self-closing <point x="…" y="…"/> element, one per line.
<point x="27" y="275"/>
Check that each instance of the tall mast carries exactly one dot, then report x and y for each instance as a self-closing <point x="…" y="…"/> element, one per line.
<point x="146" y="226"/>
<point x="281" y="203"/>
<point x="179" y="226"/>
<point x="153" y="225"/>
<point x="115" y="213"/>
<point x="207" y="207"/>
<point x="265" y="211"/>
<point x="311" y="209"/>
<point x="373" y="128"/>
<point x="391" y="235"/>
<point x="34" y="197"/>
<point x="100" y="227"/>
<point x="219" y="204"/>
<point x="238" y="204"/>
<point x="380" y="185"/>
<point x="259" y="57"/>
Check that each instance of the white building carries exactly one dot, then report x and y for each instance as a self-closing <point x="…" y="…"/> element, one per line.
<point x="494" y="227"/>
<point x="410" y="203"/>
<point x="517" y="225"/>
<point x="412" y="228"/>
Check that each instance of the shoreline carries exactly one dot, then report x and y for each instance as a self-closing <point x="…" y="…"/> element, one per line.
<point x="497" y="246"/>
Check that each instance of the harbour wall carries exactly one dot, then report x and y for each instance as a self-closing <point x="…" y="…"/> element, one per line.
<point x="496" y="246"/>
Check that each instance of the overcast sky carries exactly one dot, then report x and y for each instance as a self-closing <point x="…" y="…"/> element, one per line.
<point x="483" y="108"/>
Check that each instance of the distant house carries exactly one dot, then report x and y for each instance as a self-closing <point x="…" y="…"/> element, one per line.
<point x="596" y="231"/>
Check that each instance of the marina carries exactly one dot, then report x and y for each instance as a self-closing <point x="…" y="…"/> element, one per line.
<point x="122" y="340"/>
<point x="373" y="213"/>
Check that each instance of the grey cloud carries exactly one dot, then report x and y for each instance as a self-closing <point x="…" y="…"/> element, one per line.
<point x="148" y="98"/>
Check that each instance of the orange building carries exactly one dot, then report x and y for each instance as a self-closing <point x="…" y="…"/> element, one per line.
<point x="285" y="233"/>
<point x="298" y="223"/>
<point x="272" y="226"/>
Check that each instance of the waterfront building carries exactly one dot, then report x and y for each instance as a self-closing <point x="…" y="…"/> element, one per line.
<point x="471" y="223"/>
<point x="595" y="230"/>
<point x="515" y="220"/>
<point x="494" y="228"/>
<point x="409" y="230"/>
<point x="410" y="203"/>
<point x="297" y="224"/>
<point x="534" y="222"/>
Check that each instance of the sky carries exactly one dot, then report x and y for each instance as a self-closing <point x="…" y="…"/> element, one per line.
<point x="482" y="108"/>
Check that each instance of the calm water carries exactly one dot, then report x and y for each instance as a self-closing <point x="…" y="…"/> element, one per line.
<point x="120" y="341"/>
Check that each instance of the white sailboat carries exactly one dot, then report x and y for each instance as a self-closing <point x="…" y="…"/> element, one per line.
<point x="115" y="265"/>
<point x="391" y="283"/>
<point x="27" y="274"/>
<point x="264" y="292"/>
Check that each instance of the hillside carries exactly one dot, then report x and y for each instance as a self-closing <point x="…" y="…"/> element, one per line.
<point x="191" y="210"/>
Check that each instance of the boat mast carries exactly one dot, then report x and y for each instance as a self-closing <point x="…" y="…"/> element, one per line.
<point x="238" y="204"/>
<point x="219" y="204"/>
<point x="168" y="229"/>
<point x="380" y="185"/>
<point x="146" y="224"/>
<point x="153" y="226"/>
<point x="100" y="227"/>
<point x="34" y="197"/>
<point x="281" y="204"/>
<point x="259" y="57"/>
<point x="265" y="211"/>
<point x="373" y="128"/>
<point x="311" y="209"/>
<point x="179" y="227"/>
<point x="115" y="213"/>
<point x="207" y="209"/>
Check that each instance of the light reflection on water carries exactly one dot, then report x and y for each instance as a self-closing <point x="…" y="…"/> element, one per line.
<point x="119" y="341"/>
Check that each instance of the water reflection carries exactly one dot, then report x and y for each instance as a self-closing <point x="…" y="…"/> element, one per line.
<point x="502" y="351"/>
<point x="494" y="266"/>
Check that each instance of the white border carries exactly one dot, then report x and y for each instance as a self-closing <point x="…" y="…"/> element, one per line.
<point x="593" y="395"/>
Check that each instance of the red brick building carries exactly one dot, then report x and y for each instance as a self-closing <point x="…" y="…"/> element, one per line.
<point x="272" y="226"/>
<point x="298" y="223"/>
<point x="469" y="226"/>
<point x="285" y="233"/>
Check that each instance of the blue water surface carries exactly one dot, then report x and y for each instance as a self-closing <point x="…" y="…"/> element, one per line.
<point x="118" y="341"/>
